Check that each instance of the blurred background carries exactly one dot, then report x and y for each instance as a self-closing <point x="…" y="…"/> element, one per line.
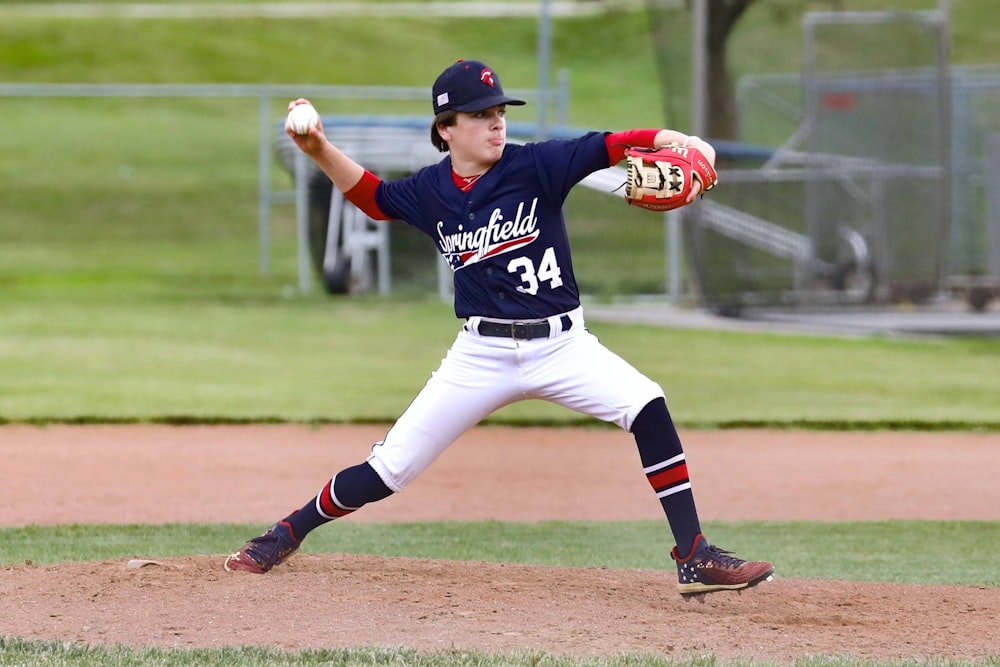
<point x="142" y="157"/>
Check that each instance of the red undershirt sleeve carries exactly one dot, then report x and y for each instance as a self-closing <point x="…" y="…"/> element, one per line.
<point x="362" y="195"/>
<point x="617" y="142"/>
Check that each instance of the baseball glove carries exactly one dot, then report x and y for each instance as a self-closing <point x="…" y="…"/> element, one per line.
<point x="660" y="179"/>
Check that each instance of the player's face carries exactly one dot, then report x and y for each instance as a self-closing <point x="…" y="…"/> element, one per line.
<point x="478" y="137"/>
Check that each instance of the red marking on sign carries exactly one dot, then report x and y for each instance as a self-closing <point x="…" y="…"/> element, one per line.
<point x="839" y="101"/>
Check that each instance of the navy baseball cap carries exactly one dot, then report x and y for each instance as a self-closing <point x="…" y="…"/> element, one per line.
<point x="469" y="85"/>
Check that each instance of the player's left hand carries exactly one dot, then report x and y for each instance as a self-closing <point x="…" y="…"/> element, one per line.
<point x="666" y="178"/>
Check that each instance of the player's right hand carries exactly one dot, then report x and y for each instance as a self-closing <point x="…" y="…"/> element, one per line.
<point x="313" y="141"/>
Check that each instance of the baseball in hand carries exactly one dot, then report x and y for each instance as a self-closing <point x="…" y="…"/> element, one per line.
<point x="301" y="118"/>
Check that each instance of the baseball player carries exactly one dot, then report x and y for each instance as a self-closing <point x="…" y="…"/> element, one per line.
<point x="494" y="211"/>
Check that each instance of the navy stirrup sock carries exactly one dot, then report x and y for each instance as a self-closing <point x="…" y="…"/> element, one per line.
<point x="348" y="491"/>
<point x="663" y="462"/>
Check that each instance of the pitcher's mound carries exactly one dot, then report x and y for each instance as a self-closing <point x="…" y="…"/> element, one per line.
<point x="339" y="601"/>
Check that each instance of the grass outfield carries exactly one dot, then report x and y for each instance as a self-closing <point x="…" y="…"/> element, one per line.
<point x="70" y="355"/>
<point x="55" y="654"/>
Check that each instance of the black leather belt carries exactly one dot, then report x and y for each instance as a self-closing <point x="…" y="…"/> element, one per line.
<point x="521" y="330"/>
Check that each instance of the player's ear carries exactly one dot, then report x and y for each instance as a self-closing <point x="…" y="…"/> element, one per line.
<point x="436" y="139"/>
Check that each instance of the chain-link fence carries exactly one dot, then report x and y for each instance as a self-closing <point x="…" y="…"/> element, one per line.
<point x="878" y="186"/>
<point x="974" y="259"/>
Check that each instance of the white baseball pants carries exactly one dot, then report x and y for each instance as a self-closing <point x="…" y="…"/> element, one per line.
<point x="481" y="374"/>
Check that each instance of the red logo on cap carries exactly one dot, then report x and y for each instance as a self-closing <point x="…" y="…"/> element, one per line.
<point x="486" y="76"/>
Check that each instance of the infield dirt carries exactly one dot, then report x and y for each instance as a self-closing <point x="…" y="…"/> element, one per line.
<point x="158" y="474"/>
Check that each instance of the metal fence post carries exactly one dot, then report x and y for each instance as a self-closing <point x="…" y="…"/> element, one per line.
<point x="264" y="182"/>
<point x="302" y="220"/>
<point x="672" y="221"/>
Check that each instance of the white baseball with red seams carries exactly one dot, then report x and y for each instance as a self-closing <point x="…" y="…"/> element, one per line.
<point x="301" y="117"/>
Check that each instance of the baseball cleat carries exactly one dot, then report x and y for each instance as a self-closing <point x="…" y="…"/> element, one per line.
<point x="708" y="568"/>
<point x="262" y="553"/>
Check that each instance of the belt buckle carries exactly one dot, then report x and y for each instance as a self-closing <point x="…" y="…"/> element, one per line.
<point x="520" y="330"/>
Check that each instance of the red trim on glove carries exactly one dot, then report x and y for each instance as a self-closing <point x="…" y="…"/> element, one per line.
<point x="702" y="169"/>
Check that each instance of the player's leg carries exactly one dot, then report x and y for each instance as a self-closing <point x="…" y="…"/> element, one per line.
<point x="584" y="375"/>
<point x="478" y="377"/>
<point x="701" y="567"/>
<point x="475" y="379"/>
<point x="604" y="385"/>
<point x="357" y="485"/>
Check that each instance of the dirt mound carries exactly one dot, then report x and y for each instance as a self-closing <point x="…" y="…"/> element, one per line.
<point x="152" y="474"/>
<point x="331" y="601"/>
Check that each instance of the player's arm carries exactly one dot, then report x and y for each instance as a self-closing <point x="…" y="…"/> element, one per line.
<point x="617" y="142"/>
<point x="342" y="170"/>
<point x="362" y="195"/>
<point x="357" y="183"/>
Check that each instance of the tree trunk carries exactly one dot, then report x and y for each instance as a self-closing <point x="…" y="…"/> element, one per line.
<point x="722" y="15"/>
<point x="720" y="109"/>
<point x="722" y="121"/>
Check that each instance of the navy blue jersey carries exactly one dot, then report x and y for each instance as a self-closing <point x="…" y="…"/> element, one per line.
<point x="506" y="238"/>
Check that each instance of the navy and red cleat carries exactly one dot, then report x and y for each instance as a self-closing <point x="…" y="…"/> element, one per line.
<point x="262" y="553"/>
<point x="708" y="568"/>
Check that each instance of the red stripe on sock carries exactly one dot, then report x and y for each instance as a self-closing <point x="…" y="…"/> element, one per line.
<point x="669" y="477"/>
<point x="329" y="507"/>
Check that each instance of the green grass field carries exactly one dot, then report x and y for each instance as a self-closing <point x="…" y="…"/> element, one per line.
<point x="129" y="291"/>
<point x="151" y="357"/>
